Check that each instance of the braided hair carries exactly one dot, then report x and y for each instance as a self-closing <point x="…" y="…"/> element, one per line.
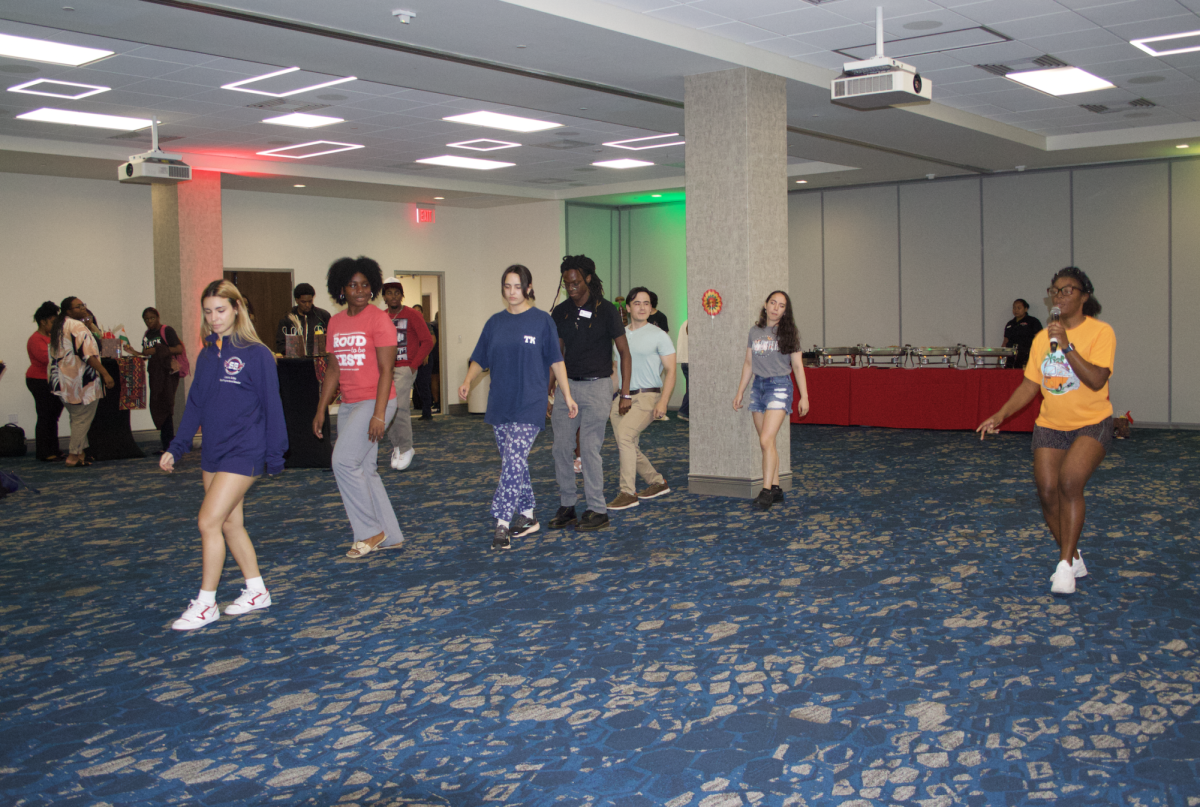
<point x="586" y="267"/>
<point x="1091" y="308"/>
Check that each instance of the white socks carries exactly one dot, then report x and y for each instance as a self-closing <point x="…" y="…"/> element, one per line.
<point x="527" y="513"/>
<point x="255" y="584"/>
<point x="503" y="524"/>
<point x="207" y="597"/>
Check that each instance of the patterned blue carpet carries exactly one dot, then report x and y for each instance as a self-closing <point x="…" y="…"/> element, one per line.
<point x="886" y="636"/>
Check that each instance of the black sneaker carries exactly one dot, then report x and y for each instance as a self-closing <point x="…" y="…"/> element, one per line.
<point x="764" y="500"/>
<point x="501" y="540"/>
<point x="776" y="494"/>
<point x="591" y="520"/>
<point x="565" y="517"/>
<point x="522" y="525"/>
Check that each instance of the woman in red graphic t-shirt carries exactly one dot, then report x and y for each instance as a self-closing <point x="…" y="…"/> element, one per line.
<point x="361" y="343"/>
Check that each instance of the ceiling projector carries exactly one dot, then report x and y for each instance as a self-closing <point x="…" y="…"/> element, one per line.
<point x="154" y="167"/>
<point x="879" y="82"/>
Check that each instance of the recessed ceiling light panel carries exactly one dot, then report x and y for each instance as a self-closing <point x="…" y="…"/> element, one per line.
<point x="240" y="86"/>
<point x="622" y="163"/>
<point x="1188" y="42"/>
<point x="85" y="119"/>
<point x="483" y="144"/>
<point x="58" y="89"/>
<point x="1060" y="80"/>
<point x="451" y="161"/>
<point x="651" y="142"/>
<point x="317" y="144"/>
<point x="39" y="50"/>
<point x="509" y="123"/>
<point x="303" y="121"/>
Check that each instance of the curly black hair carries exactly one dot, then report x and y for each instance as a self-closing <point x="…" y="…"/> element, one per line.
<point x="786" y="332"/>
<point x="1091" y="308"/>
<point x="46" y="310"/>
<point x="345" y="268"/>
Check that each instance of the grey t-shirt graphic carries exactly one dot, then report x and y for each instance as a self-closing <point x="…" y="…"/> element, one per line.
<point x="765" y="358"/>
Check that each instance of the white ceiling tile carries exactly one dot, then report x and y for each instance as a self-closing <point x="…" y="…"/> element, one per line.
<point x="934" y="61"/>
<point x="802" y="21"/>
<point x="785" y="46"/>
<point x="1049" y="25"/>
<point x="999" y="53"/>
<point x="1075" y="40"/>
<point x="172" y="55"/>
<point x="827" y="60"/>
<point x="744" y="9"/>
<point x="1162" y="26"/>
<point x="740" y="32"/>
<point x="849" y="36"/>
<point x="640" y="5"/>
<point x="994" y="12"/>
<point x="1117" y="13"/>
<point x="689" y="16"/>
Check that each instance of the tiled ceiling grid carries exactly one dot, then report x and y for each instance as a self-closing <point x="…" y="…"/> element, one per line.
<point x="397" y="126"/>
<point x="1090" y="34"/>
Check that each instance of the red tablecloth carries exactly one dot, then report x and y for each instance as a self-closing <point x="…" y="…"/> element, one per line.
<point x="912" y="398"/>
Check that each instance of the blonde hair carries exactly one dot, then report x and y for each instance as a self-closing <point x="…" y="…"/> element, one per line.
<point x="243" y="329"/>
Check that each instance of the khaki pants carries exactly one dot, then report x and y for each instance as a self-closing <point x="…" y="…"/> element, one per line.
<point x="628" y="431"/>
<point x="81" y="420"/>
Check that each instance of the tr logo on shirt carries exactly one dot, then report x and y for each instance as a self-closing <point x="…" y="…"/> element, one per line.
<point x="531" y="340"/>
<point x="234" y="365"/>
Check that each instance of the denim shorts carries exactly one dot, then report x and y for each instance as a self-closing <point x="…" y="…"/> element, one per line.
<point x="771" y="393"/>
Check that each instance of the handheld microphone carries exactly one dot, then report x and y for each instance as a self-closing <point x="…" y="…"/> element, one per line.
<point x="1055" y="316"/>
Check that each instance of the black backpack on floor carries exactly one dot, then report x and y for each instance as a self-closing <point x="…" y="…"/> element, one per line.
<point x="12" y="441"/>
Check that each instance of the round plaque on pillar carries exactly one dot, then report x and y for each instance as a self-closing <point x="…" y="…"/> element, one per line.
<point x="711" y="302"/>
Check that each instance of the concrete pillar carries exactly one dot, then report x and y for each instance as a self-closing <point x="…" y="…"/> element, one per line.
<point x="736" y="128"/>
<point x="188" y="255"/>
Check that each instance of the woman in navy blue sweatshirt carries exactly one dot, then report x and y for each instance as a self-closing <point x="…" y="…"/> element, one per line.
<point x="235" y="400"/>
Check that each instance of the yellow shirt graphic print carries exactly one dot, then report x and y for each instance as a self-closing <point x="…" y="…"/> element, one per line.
<point x="1058" y="377"/>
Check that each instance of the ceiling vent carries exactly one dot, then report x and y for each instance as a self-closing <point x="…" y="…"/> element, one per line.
<point x="563" y="144"/>
<point x="1023" y="64"/>
<point x="995" y="69"/>
<point x="411" y="167"/>
<point x="1101" y="109"/>
<point x="1049" y="61"/>
<point x="1142" y="102"/>
<point x="284" y="105"/>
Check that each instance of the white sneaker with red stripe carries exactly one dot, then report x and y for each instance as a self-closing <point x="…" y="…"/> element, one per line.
<point x="197" y="615"/>
<point x="249" y="600"/>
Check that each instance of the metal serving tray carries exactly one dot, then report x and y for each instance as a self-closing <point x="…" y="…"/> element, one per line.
<point x="883" y="356"/>
<point x="981" y="357"/>
<point x="836" y="356"/>
<point x="935" y="356"/>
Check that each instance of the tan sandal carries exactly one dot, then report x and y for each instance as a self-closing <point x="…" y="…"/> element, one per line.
<point x="360" y="549"/>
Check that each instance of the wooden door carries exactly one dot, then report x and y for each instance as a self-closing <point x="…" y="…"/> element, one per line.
<point x="270" y="295"/>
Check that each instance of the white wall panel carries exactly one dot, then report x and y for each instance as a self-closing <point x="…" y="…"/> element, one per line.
<point x="656" y="236"/>
<point x="1121" y="225"/>
<point x="88" y="238"/>
<point x="1026" y="239"/>
<point x="1185" y="291"/>
<point x="940" y="256"/>
<point x="862" y="282"/>
<point x="805" y="267"/>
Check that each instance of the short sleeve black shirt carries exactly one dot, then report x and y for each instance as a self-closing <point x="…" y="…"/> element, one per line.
<point x="1019" y="334"/>
<point x="587" y="334"/>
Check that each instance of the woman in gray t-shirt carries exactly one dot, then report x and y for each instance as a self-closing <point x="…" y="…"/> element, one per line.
<point x="772" y="354"/>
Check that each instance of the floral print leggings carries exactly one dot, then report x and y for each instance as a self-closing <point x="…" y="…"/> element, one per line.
<point x="514" y="493"/>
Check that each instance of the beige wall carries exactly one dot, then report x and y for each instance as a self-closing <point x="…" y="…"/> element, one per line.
<point x="93" y="239"/>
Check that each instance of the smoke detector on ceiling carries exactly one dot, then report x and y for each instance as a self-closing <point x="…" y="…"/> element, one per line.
<point x="404" y="16"/>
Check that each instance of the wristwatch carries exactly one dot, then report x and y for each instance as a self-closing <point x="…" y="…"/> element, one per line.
<point x="1070" y="348"/>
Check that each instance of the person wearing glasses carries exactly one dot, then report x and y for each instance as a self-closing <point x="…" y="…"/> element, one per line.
<point x="1071" y="363"/>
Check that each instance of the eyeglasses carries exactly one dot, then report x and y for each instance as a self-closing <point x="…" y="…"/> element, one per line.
<point x="1065" y="291"/>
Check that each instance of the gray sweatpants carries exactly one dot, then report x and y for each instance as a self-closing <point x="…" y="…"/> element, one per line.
<point x="356" y="468"/>
<point x="399" y="431"/>
<point x="594" y="399"/>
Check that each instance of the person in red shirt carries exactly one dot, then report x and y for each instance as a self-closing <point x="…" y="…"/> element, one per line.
<point x="413" y="343"/>
<point x="49" y="405"/>
<point x="362" y="342"/>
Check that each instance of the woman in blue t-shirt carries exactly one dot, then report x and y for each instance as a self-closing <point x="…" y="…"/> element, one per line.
<point x="520" y="346"/>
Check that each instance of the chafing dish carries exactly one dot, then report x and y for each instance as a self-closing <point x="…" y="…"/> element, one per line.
<point x="935" y="356"/>
<point x="988" y="356"/>
<point x="883" y="356"/>
<point x="836" y="356"/>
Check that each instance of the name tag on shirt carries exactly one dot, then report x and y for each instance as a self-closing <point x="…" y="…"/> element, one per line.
<point x="585" y="314"/>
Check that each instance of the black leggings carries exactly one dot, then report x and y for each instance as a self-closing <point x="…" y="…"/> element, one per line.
<point x="49" y="408"/>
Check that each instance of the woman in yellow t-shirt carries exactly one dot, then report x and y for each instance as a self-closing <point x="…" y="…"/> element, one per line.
<point x="1074" y="429"/>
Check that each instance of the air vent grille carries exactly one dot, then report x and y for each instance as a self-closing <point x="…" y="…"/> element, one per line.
<point x="848" y="88"/>
<point x="1049" y="61"/>
<point x="995" y="69"/>
<point x="563" y="144"/>
<point x="179" y="172"/>
<point x="1142" y="102"/>
<point x="284" y="105"/>
<point x="1099" y="109"/>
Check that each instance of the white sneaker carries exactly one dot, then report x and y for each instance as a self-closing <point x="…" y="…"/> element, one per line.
<point x="401" y="461"/>
<point x="1078" y="567"/>
<point x="1063" y="581"/>
<point x="249" y="601"/>
<point x="197" y="615"/>
<point x="578" y="465"/>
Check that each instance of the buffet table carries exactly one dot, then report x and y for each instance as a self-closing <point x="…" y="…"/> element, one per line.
<point x="912" y="398"/>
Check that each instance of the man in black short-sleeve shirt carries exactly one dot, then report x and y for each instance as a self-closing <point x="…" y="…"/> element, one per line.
<point x="588" y="327"/>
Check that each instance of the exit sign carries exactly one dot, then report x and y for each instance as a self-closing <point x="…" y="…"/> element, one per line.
<point x="424" y="215"/>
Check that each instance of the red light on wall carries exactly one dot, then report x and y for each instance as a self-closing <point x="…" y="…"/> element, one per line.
<point x="424" y="215"/>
